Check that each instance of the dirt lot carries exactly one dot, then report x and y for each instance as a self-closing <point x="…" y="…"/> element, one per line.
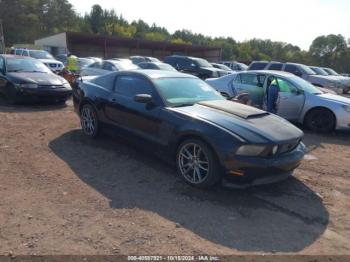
<point x="62" y="193"/>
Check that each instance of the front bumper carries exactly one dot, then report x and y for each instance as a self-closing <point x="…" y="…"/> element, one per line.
<point x="248" y="171"/>
<point x="60" y="93"/>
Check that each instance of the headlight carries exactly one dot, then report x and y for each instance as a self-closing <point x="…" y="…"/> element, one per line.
<point x="250" y="150"/>
<point x="27" y="85"/>
<point x="346" y="107"/>
<point x="66" y="85"/>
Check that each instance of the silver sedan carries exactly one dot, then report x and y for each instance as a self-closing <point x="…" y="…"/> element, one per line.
<point x="298" y="100"/>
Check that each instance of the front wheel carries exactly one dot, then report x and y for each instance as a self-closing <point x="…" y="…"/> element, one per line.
<point x="320" y="120"/>
<point x="89" y="121"/>
<point x="197" y="164"/>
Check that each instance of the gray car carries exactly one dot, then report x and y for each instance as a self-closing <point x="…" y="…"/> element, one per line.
<point x="107" y="66"/>
<point x="298" y="100"/>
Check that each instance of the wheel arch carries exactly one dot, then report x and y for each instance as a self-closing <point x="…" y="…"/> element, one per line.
<point x="319" y="107"/>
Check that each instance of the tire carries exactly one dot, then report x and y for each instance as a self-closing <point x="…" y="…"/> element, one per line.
<point x="197" y="164"/>
<point x="320" y="120"/>
<point x="89" y="121"/>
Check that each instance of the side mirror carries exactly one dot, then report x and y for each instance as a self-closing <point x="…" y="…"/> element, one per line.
<point x="143" y="98"/>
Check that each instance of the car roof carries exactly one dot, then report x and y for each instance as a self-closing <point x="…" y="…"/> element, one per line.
<point x="156" y="74"/>
<point x="15" y="56"/>
<point x="271" y="72"/>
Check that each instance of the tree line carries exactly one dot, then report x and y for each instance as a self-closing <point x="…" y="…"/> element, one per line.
<point x="27" y="20"/>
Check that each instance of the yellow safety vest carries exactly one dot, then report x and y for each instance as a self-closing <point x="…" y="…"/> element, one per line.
<point x="72" y="63"/>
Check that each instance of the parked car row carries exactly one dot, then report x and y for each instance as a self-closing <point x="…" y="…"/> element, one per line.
<point x="330" y="80"/>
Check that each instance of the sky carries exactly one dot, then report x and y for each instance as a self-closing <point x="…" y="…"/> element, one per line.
<point x="293" y="21"/>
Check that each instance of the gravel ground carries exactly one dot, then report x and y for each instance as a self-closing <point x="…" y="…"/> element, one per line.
<point x="62" y="193"/>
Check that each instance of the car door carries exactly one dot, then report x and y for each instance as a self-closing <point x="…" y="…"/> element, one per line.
<point x="290" y="100"/>
<point x="138" y="118"/>
<point x="250" y="83"/>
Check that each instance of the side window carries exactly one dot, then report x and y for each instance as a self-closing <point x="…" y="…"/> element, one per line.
<point x="152" y="66"/>
<point x="286" y="87"/>
<point x="108" y="66"/>
<point x="258" y="66"/>
<point x="18" y="52"/>
<point x="237" y="79"/>
<point x="249" y="79"/>
<point x="106" y="81"/>
<point x="130" y="86"/>
<point x="292" y="69"/>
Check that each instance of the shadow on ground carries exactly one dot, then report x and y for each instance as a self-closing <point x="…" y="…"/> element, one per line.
<point x="30" y="107"/>
<point x="285" y="217"/>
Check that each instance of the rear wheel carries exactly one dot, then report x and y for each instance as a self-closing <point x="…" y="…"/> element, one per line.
<point x="89" y="121"/>
<point x="197" y="164"/>
<point x="320" y="120"/>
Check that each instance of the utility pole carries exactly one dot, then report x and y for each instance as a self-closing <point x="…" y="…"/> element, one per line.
<point x="2" y="39"/>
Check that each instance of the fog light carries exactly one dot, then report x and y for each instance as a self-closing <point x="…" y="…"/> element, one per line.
<point x="236" y="173"/>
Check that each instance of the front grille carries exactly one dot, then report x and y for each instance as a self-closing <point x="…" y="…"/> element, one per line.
<point x="53" y="65"/>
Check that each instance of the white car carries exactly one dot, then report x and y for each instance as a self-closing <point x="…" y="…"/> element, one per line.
<point x="107" y="66"/>
<point x="42" y="55"/>
<point x="298" y="100"/>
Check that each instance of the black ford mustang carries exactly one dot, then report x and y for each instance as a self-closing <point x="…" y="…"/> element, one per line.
<point x="208" y="137"/>
<point x="24" y="78"/>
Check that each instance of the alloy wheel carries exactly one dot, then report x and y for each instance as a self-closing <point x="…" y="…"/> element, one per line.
<point x="88" y="121"/>
<point x="193" y="163"/>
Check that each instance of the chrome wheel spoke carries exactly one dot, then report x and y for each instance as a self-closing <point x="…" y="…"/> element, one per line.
<point x="193" y="163"/>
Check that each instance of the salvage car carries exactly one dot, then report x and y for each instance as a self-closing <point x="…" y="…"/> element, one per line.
<point x="344" y="79"/>
<point x="107" y="66"/>
<point x="299" y="101"/>
<point x="139" y="59"/>
<point x="234" y="65"/>
<point x="207" y="137"/>
<point x="195" y="66"/>
<point x="24" y="78"/>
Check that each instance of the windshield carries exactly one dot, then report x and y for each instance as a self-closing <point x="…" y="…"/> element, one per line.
<point x="202" y="62"/>
<point x="319" y="71"/>
<point x="38" y="54"/>
<point x="25" y="65"/>
<point x="307" y="70"/>
<point x="331" y="72"/>
<point x="306" y="86"/>
<point x="185" y="91"/>
<point x="126" y="66"/>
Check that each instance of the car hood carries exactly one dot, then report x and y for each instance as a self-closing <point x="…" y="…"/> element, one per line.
<point x="249" y="123"/>
<point x="335" y="98"/>
<point x="36" y="78"/>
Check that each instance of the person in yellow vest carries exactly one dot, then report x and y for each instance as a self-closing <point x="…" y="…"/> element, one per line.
<point x="72" y="63"/>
